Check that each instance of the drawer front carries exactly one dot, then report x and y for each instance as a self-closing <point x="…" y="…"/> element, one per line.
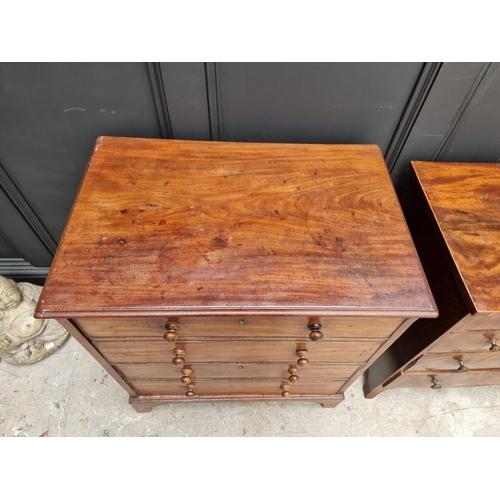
<point x="237" y="370"/>
<point x="446" y="380"/>
<point x="235" y="388"/>
<point x="481" y="341"/>
<point x="240" y="327"/>
<point x="471" y="361"/>
<point x="133" y="351"/>
<point x="480" y="322"/>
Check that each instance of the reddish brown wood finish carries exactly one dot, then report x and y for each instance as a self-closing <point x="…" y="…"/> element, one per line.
<point x="235" y="387"/>
<point x="453" y="211"/>
<point x="333" y="327"/>
<point x="326" y="371"/>
<point x="226" y="351"/>
<point x="479" y="322"/>
<point x="84" y="341"/>
<point x="476" y="341"/>
<point x="144" y="404"/>
<point x="163" y="226"/>
<point x="292" y="261"/>
<point x="451" y="361"/>
<point x="465" y="201"/>
<point x="467" y="379"/>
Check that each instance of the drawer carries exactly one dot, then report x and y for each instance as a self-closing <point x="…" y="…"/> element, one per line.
<point x="238" y="370"/>
<point x="235" y="388"/>
<point x="471" y="360"/>
<point x="466" y="379"/>
<point x="240" y="327"/>
<point x="480" y="322"/>
<point x="134" y="351"/>
<point x="481" y="341"/>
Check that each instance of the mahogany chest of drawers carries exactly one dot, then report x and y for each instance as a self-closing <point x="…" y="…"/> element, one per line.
<point x="211" y="271"/>
<point x="453" y="211"/>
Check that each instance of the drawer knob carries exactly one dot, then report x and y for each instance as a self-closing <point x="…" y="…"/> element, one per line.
<point x="186" y="372"/>
<point x="284" y="387"/>
<point x="293" y="371"/>
<point x="179" y="360"/>
<point x="494" y="346"/>
<point x="462" y="367"/>
<point x="171" y="334"/>
<point x="302" y="353"/>
<point x="315" y="328"/>
<point x="190" y="391"/>
<point x="435" y="384"/>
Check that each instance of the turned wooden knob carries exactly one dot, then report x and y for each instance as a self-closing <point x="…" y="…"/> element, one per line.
<point x="186" y="372"/>
<point x="171" y="334"/>
<point x="494" y="346"/>
<point x="284" y="387"/>
<point x="315" y="328"/>
<point x="316" y="335"/>
<point x="435" y="384"/>
<point x="302" y="353"/>
<point x="190" y="391"/>
<point x="293" y="374"/>
<point x="179" y="360"/>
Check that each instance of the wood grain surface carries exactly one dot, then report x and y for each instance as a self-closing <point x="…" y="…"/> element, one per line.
<point x="451" y="361"/>
<point x="232" y="327"/>
<point x="479" y="322"/>
<point x="465" y="201"/>
<point x="235" y="387"/>
<point x="144" y="404"/>
<point x="446" y="380"/>
<point x="132" y="351"/>
<point x="452" y="210"/>
<point x="478" y="341"/>
<point x="162" y="226"/>
<point x="327" y="371"/>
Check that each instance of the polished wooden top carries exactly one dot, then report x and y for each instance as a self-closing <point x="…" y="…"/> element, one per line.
<point x="170" y="226"/>
<point x="465" y="201"/>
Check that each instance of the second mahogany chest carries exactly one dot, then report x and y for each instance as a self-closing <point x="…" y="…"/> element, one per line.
<point x="453" y="210"/>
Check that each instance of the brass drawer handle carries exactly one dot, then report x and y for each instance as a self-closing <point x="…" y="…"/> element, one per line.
<point x="494" y="346"/>
<point x="190" y="390"/>
<point x="284" y="387"/>
<point x="293" y="371"/>
<point x="179" y="360"/>
<point x="315" y="328"/>
<point x="435" y="384"/>
<point x="462" y="367"/>
<point x="302" y="353"/>
<point x="171" y="334"/>
<point x="186" y="372"/>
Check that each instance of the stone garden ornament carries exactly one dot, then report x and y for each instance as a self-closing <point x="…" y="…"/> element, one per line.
<point x="23" y="338"/>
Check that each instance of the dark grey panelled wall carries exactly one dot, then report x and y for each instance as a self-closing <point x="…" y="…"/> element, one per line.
<point x="52" y="113"/>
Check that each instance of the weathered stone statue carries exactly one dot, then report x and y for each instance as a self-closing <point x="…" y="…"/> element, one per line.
<point x="24" y="339"/>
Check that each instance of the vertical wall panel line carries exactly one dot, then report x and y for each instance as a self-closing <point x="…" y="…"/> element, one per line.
<point x="461" y="110"/>
<point x="22" y="206"/>
<point x="417" y="99"/>
<point x="160" y="99"/>
<point x="214" y="102"/>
